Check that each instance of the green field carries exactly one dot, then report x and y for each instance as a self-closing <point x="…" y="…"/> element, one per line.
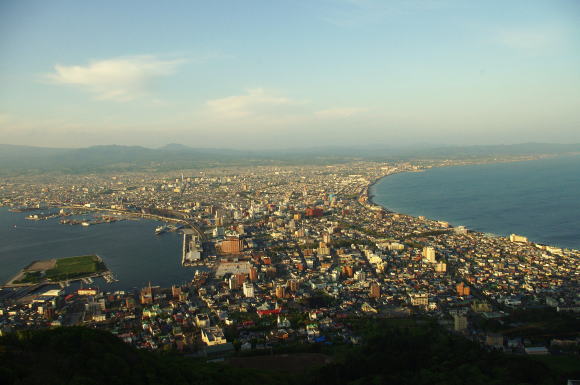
<point x="75" y="267"/>
<point x="67" y="268"/>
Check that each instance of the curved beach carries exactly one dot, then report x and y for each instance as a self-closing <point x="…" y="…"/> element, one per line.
<point x="488" y="198"/>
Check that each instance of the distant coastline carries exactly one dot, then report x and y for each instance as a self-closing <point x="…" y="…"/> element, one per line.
<point x="371" y="193"/>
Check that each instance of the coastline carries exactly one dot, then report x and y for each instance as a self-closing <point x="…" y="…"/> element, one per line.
<point x="459" y="163"/>
<point x="370" y="196"/>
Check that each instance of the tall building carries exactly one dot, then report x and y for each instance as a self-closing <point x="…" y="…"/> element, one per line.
<point x="248" y="288"/>
<point x="280" y="291"/>
<point x="253" y="274"/>
<point x="240" y="278"/>
<point x="147" y="295"/>
<point x="175" y="291"/>
<point x="375" y="290"/>
<point x="459" y="322"/>
<point x="429" y="254"/>
<point x="348" y="271"/>
<point x="323" y="249"/>
<point x="293" y="285"/>
<point x="463" y="290"/>
<point x="360" y="275"/>
<point x="233" y="283"/>
<point x="441" y="267"/>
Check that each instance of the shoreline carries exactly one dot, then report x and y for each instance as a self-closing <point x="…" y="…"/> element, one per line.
<point x="370" y="197"/>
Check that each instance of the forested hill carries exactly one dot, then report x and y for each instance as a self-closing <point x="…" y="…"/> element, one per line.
<point x="393" y="352"/>
<point x="77" y="355"/>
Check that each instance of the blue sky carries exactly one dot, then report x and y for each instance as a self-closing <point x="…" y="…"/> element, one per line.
<point x="289" y="73"/>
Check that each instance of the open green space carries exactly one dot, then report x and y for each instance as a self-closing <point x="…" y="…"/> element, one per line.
<point x="75" y="267"/>
<point x="66" y="268"/>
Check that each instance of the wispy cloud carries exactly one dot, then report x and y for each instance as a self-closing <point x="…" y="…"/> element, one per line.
<point x="119" y="79"/>
<point x="341" y="112"/>
<point x="256" y="102"/>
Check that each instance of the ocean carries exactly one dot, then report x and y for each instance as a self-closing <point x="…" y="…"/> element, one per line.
<point x="539" y="199"/>
<point x="130" y="249"/>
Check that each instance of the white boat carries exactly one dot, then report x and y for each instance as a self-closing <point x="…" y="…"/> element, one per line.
<point x="161" y="229"/>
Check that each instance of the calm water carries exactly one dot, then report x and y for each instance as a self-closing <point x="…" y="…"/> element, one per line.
<point x="539" y="199"/>
<point x="130" y="249"/>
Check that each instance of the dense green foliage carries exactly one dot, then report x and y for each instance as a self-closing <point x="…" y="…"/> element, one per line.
<point x="393" y="352"/>
<point x="86" y="356"/>
<point x="426" y="354"/>
<point x="538" y="325"/>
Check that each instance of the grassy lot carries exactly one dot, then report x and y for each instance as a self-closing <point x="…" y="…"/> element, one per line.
<point x="66" y="268"/>
<point x="73" y="267"/>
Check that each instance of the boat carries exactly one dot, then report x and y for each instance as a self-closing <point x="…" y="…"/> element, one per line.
<point x="161" y="229"/>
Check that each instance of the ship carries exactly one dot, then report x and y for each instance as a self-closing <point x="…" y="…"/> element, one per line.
<point x="161" y="229"/>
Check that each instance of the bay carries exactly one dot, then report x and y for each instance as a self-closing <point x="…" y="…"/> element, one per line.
<point x="129" y="248"/>
<point x="539" y="199"/>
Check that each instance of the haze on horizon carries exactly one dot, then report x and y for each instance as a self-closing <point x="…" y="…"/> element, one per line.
<point x="246" y="74"/>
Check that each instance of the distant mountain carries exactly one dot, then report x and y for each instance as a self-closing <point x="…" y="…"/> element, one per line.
<point x="175" y="147"/>
<point x="18" y="160"/>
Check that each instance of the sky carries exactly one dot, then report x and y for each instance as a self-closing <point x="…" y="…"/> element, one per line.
<point x="250" y="74"/>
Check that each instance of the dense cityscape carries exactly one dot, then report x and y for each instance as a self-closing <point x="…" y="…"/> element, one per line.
<point x="284" y="256"/>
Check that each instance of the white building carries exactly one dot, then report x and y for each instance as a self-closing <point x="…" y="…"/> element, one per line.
<point x="518" y="238"/>
<point x="429" y="254"/>
<point x="213" y="335"/>
<point x="248" y="289"/>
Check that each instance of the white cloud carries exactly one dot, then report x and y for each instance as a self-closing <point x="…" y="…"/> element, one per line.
<point x="255" y="103"/>
<point x="336" y="113"/>
<point x="119" y="79"/>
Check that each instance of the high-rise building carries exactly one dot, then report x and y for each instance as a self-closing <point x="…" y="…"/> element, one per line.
<point x="240" y="278"/>
<point x="375" y="290"/>
<point x="463" y="290"/>
<point x="360" y="275"/>
<point x="175" y="291"/>
<point x="348" y="271"/>
<point x="441" y="267"/>
<point x="280" y="291"/>
<point x="293" y="285"/>
<point x="147" y="295"/>
<point x="459" y="323"/>
<point x="323" y="249"/>
<point x="233" y="283"/>
<point x="253" y="274"/>
<point x="429" y="254"/>
<point x="248" y="289"/>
